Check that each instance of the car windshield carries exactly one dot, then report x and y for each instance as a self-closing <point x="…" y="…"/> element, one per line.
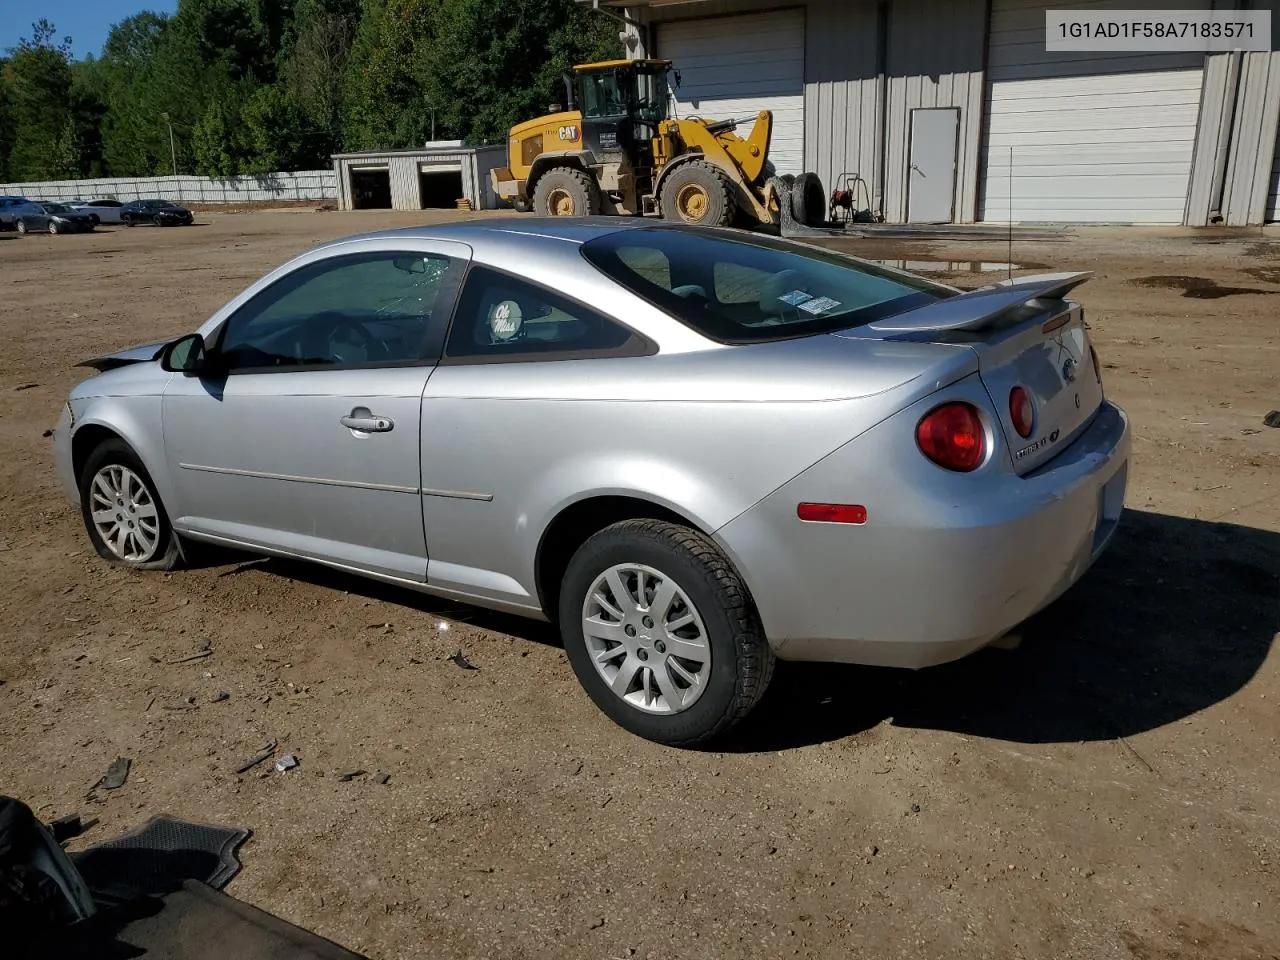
<point x="749" y="289"/>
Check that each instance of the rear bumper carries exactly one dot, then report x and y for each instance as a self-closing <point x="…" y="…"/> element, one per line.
<point x="944" y="565"/>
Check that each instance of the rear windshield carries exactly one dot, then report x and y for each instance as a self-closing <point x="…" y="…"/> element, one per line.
<point x="746" y="288"/>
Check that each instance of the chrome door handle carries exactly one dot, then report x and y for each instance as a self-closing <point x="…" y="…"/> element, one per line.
<point x="367" y="423"/>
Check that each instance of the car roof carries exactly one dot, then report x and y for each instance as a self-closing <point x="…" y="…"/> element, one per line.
<point x="574" y="230"/>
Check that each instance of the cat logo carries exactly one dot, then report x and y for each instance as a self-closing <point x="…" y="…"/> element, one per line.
<point x="569" y="132"/>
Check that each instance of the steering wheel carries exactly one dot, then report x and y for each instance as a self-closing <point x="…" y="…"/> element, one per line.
<point x="326" y="329"/>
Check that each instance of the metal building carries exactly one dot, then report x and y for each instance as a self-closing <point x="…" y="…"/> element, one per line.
<point x="438" y="174"/>
<point x="954" y="111"/>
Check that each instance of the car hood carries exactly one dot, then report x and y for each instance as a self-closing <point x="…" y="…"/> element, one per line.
<point x="143" y="353"/>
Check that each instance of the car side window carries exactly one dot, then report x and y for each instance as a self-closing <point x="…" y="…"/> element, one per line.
<point x="501" y="317"/>
<point x="363" y="310"/>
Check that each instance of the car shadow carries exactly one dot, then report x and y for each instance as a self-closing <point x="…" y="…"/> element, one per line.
<point x="329" y="578"/>
<point x="1176" y="616"/>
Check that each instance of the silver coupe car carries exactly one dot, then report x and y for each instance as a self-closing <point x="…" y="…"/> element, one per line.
<point x="695" y="450"/>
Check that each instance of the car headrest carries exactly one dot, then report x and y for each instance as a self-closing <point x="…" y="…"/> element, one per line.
<point x="778" y="286"/>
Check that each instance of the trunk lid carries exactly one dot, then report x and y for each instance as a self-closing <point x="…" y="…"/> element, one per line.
<point x="1025" y="334"/>
<point x="1048" y="356"/>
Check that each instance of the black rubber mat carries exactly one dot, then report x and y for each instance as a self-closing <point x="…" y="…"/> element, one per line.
<point x="191" y="923"/>
<point x="158" y="858"/>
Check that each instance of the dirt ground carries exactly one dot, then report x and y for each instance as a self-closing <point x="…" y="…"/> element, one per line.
<point x="1109" y="790"/>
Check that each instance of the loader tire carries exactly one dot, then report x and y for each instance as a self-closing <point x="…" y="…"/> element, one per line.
<point x="566" y="192"/>
<point x="808" y="202"/>
<point x="697" y="193"/>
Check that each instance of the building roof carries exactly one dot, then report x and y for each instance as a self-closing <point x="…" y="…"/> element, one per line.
<point x="434" y="149"/>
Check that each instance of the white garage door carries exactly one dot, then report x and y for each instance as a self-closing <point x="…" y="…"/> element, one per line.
<point x="734" y="67"/>
<point x="1096" y="137"/>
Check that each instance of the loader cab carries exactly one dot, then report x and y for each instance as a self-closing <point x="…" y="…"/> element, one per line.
<point x="623" y="103"/>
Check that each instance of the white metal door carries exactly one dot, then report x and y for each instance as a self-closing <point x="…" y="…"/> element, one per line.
<point x="1096" y="137"/>
<point x="734" y="67"/>
<point x="931" y="174"/>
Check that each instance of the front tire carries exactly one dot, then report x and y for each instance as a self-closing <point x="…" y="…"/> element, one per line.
<point x="566" y="192"/>
<point x="662" y="632"/>
<point x="127" y="221"/>
<point x="126" y="522"/>
<point x="697" y="193"/>
<point x="22" y="226"/>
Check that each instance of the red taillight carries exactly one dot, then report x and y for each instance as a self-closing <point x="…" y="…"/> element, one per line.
<point x="1021" y="411"/>
<point x="832" y="512"/>
<point x="952" y="436"/>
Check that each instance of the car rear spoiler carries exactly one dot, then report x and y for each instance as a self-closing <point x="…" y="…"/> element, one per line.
<point x="981" y="307"/>
<point x="122" y="358"/>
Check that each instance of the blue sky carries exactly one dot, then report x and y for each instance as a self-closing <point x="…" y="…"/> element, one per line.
<point x="87" y="22"/>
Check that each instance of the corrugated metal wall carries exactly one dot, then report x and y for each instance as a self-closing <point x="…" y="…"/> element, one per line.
<point x="1273" y="200"/>
<point x="1235" y="171"/>
<point x="935" y="60"/>
<point x="842" y="94"/>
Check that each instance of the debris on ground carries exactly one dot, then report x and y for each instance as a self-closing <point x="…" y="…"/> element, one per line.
<point x="1272" y="419"/>
<point x="264" y="754"/>
<point x="116" y="774"/>
<point x="206" y="649"/>
<point x="69" y="827"/>
<point x="286" y="763"/>
<point x="382" y="778"/>
<point x="463" y="662"/>
<point x="221" y="697"/>
<point x="350" y="775"/>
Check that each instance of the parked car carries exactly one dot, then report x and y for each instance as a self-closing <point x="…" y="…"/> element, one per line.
<point x="53" y="217"/>
<point x="11" y="208"/>
<point x="104" y="210"/>
<point x="696" y="450"/>
<point x="163" y="213"/>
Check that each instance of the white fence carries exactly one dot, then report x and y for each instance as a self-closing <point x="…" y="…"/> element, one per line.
<point x="303" y="185"/>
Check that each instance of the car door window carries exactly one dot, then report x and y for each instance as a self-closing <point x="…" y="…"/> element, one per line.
<point x="501" y="317"/>
<point x="363" y="310"/>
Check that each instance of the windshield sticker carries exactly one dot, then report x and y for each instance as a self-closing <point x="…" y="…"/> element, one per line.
<point x="795" y="297"/>
<point x="819" y="305"/>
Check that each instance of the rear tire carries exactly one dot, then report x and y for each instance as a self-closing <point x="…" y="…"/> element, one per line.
<point x="702" y="657"/>
<point x="697" y="193"/>
<point x="118" y="501"/>
<point x="566" y="192"/>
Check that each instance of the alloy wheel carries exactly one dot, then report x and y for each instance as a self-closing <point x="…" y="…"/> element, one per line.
<point x="646" y="639"/>
<point x="124" y="513"/>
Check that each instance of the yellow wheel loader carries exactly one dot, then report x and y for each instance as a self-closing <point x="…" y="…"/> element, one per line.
<point x="618" y="150"/>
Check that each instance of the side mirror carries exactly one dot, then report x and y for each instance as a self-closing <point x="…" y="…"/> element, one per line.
<point x="185" y="355"/>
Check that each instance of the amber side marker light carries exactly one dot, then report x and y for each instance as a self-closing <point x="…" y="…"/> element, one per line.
<point x="832" y="512"/>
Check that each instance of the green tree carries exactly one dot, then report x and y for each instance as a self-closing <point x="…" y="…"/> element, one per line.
<point x="499" y="84"/>
<point x="39" y="80"/>
<point x="217" y="147"/>
<point x="6" y="121"/>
